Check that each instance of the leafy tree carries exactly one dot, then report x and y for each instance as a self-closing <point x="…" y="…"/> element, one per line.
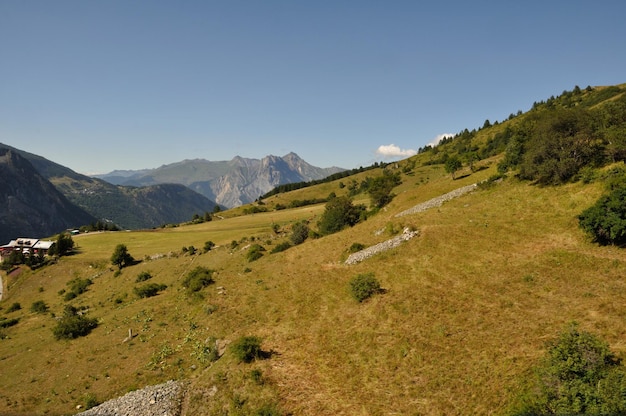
<point x="63" y="246"/>
<point x="453" y="164"/>
<point x="299" y="233"/>
<point x="579" y="375"/>
<point x="339" y="213"/>
<point x="121" y="257"/>
<point x="380" y="188"/>
<point x="605" y="221"/>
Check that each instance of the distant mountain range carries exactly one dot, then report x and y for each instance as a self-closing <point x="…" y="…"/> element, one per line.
<point x="40" y="198"/>
<point x="229" y="183"/>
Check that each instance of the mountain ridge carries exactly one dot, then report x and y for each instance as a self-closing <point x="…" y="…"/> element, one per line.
<point x="128" y="207"/>
<point x="230" y="183"/>
<point x="32" y="206"/>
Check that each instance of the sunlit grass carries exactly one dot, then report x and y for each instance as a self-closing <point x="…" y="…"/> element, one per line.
<point x="466" y="309"/>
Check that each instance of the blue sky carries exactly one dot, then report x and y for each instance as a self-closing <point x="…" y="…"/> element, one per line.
<point x="104" y="85"/>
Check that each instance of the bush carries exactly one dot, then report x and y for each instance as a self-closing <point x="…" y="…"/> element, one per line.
<point x="579" y="375"/>
<point x="198" y="279"/>
<point x="39" y="307"/>
<point x="72" y="325"/>
<point x="247" y="349"/>
<point x="267" y="410"/>
<point x="14" y="307"/>
<point x="208" y="246"/>
<point x="364" y="286"/>
<point x="148" y="290"/>
<point x="299" y="233"/>
<point x="281" y="247"/>
<point x="5" y="323"/>
<point x="605" y="221"/>
<point x="255" y="252"/>
<point x="77" y="287"/>
<point x="142" y="277"/>
<point x="355" y="247"/>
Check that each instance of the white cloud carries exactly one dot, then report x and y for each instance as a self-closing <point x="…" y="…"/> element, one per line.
<point x="391" y="150"/>
<point x="439" y="138"/>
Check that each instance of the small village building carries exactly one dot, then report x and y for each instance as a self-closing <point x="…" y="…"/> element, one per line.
<point x="26" y="246"/>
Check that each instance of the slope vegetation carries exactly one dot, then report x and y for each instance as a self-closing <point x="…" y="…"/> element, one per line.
<point x="465" y="310"/>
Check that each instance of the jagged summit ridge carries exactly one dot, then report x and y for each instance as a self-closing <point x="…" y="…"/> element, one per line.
<point x="229" y="183"/>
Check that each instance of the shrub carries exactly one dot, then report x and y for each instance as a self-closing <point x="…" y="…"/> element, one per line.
<point x="255" y="252"/>
<point x="142" y="277"/>
<point x="364" y="286"/>
<point x="77" y="287"/>
<point x="148" y="290"/>
<point x="605" y="221"/>
<point x="5" y="323"/>
<point x="14" y="307"/>
<point x="299" y="233"/>
<point x="356" y="247"/>
<point x="208" y="246"/>
<point x="281" y="247"/>
<point x="39" y="307"/>
<point x="267" y="410"/>
<point x="91" y="401"/>
<point x="579" y="375"/>
<point x="247" y="349"/>
<point x="198" y="279"/>
<point x="72" y="325"/>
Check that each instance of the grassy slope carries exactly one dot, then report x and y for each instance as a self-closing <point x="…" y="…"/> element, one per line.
<point x="469" y="304"/>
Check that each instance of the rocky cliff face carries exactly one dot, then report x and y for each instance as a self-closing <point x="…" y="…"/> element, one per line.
<point x="31" y="205"/>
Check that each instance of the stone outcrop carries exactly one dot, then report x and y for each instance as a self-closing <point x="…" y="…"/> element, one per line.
<point x="359" y="256"/>
<point x="160" y="400"/>
<point x="437" y="201"/>
<point x="407" y="234"/>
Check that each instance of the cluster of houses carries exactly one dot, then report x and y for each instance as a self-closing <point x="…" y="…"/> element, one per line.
<point x="27" y="246"/>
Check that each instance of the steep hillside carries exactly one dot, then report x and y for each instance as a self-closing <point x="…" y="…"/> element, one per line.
<point x="31" y="206"/>
<point x="233" y="183"/>
<point x="465" y="311"/>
